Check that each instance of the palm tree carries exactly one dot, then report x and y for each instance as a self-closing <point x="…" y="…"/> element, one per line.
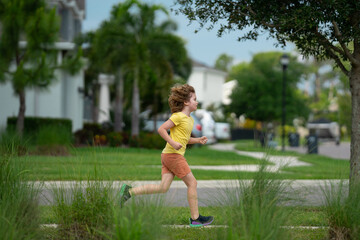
<point x="132" y="44"/>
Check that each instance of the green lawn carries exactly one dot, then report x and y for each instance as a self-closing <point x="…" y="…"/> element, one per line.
<point x="144" y="164"/>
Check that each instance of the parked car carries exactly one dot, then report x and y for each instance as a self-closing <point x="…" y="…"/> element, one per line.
<point x="325" y="129"/>
<point x="208" y="124"/>
<point x="196" y="132"/>
<point x="197" y="128"/>
<point x="222" y="130"/>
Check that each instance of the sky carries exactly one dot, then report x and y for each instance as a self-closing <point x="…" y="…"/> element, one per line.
<point x="204" y="46"/>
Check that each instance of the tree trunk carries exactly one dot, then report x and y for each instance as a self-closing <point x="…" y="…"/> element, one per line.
<point x="95" y="105"/>
<point x="119" y="103"/>
<point x="135" y="105"/>
<point x="21" y="115"/>
<point x="355" y="125"/>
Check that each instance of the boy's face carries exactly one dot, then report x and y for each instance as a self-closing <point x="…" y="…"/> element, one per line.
<point x="192" y="103"/>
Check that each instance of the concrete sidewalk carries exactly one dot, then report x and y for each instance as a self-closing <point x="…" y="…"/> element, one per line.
<point x="210" y="192"/>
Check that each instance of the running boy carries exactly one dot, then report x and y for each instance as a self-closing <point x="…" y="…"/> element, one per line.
<point x="182" y="102"/>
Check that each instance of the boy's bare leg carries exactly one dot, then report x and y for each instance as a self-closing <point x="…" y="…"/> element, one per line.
<point x="163" y="187"/>
<point x="191" y="184"/>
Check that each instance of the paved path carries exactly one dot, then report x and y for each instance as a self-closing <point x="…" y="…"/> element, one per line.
<point x="210" y="192"/>
<point x="329" y="149"/>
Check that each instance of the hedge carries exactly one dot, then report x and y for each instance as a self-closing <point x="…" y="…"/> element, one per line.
<point x="33" y="124"/>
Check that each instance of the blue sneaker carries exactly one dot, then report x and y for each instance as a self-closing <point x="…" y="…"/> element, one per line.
<point x="124" y="194"/>
<point x="201" y="221"/>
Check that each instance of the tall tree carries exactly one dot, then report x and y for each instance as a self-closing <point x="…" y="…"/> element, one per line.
<point x="132" y="43"/>
<point x="324" y="29"/>
<point x="224" y="62"/>
<point x="258" y="92"/>
<point x="27" y="56"/>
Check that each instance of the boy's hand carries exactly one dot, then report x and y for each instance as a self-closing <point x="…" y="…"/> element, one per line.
<point x="203" y="140"/>
<point x="176" y="145"/>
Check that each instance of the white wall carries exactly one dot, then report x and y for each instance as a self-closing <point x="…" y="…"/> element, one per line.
<point x="208" y="84"/>
<point x="62" y="99"/>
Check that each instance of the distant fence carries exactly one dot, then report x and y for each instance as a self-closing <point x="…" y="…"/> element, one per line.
<point x="242" y="133"/>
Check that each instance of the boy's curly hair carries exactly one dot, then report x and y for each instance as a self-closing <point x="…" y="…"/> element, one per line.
<point x="178" y="95"/>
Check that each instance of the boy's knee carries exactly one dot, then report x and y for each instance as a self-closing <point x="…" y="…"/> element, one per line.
<point x="193" y="184"/>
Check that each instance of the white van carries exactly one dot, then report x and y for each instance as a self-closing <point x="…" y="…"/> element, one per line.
<point x="208" y="124"/>
<point x="222" y="130"/>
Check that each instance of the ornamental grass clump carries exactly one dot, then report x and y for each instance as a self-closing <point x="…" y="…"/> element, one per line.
<point x="343" y="210"/>
<point x="12" y="144"/>
<point x="19" y="210"/>
<point x="253" y="208"/>
<point x="84" y="209"/>
<point x="140" y="219"/>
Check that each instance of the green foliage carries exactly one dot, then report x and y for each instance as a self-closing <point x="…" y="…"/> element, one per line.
<point x="33" y="124"/>
<point x="87" y="134"/>
<point x="152" y="141"/>
<point x="86" y="213"/>
<point x="148" y="141"/>
<point x="254" y="211"/>
<point x="343" y="212"/>
<point x="11" y="144"/>
<point x="288" y="129"/>
<point x="115" y="139"/>
<point x="140" y="221"/>
<point x="325" y="30"/>
<point x="224" y="62"/>
<point x="258" y="93"/>
<point x="19" y="210"/>
<point x="28" y="57"/>
<point x="138" y="50"/>
<point x="30" y="20"/>
<point x="52" y="135"/>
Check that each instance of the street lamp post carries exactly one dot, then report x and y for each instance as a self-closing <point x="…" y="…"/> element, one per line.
<point x="284" y="60"/>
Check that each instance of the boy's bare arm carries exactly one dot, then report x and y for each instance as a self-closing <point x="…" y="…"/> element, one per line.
<point x="201" y="140"/>
<point x="164" y="134"/>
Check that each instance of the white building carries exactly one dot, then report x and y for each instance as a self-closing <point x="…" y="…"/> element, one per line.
<point x="227" y="90"/>
<point x="64" y="98"/>
<point x="208" y="83"/>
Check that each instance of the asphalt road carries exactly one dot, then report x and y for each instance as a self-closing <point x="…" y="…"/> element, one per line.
<point x="329" y="149"/>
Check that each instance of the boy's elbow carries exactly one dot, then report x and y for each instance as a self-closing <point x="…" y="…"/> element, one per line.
<point x="159" y="130"/>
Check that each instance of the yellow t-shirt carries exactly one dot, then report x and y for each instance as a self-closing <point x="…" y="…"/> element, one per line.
<point x="180" y="133"/>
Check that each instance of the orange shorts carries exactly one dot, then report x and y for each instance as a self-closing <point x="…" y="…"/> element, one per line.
<point x="174" y="163"/>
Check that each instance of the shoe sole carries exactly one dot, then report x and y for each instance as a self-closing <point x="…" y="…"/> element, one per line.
<point x="201" y="225"/>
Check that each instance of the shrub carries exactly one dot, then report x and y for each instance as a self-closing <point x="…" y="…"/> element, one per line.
<point x="33" y="124"/>
<point x="134" y="141"/>
<point x="88" y="133"/>
<point x="52" y="140"/>
<point x="115" y="139"/>
<point x="51" y="136"/>
<point x="147" y="140"/>
<point x="152" y="141"/>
